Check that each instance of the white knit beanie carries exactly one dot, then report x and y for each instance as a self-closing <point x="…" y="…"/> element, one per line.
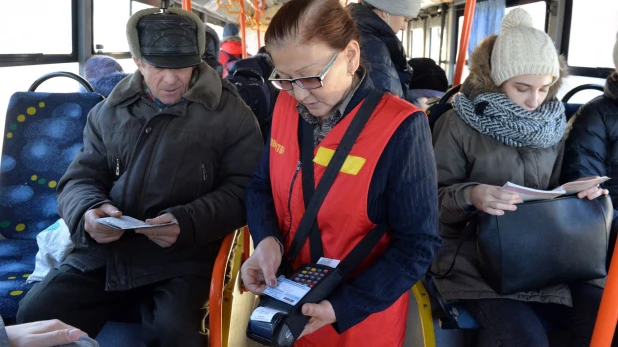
<point x="616" y="53"/>
<point x="406" y="8"/>
<point x="521" y="49"/>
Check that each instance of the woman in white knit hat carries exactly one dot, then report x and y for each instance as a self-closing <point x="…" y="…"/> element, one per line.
<point x="505" y="126"/>
<point x="379" y="21"/>
<point x="592" y="149"/>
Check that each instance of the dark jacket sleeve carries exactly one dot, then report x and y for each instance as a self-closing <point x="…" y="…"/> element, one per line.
<point x="451" y="164"/>
<point x="87" y="181"/>
<point x="261" y="214"/>
<point x="586" y="148"/>
<point x="412" y="215"/>
<point x="381" y="69"/>
<point x="222" y="210"/>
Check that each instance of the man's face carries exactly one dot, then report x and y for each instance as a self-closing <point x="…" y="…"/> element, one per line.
<point x="167" y="85"/>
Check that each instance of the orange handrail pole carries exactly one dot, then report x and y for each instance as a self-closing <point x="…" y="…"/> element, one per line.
<point x="215" y="300"/>
<point x="257" y="18"/>
<point x="186" y="5"/>
<point x="243" y="28"/>
<point x="465" y="40"/>
<point x="608" y="311"/>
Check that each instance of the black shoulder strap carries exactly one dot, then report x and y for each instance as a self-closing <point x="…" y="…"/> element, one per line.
<point x="362" y="250"/>
<point x="332" y="170"/>
<point x="308" y="180"/>
<point x="465" y="234"/>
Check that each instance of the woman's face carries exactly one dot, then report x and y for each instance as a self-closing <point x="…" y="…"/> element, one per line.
<point x="527" y="91"/>
<point x="296" y="61"/>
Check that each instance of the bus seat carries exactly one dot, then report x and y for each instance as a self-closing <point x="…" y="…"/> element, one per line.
<point x="435" y="111"/>
<point x="230" y="306"/>
<point x="42" y="134"/>
<point x="453" y="315"/>
<point x="570" y="108"/>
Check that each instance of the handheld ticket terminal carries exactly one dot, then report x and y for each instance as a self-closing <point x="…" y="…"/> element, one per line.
<point x="278" y="320"/>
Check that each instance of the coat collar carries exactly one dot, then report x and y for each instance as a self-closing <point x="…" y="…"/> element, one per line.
<point x="206" y="91"/>
<point x="611" y="86"/>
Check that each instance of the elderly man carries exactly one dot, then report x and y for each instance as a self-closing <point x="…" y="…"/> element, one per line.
<point x="173" y="143"/>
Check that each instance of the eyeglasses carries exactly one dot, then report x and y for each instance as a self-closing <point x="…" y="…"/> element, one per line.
<point x="311" y="82"/>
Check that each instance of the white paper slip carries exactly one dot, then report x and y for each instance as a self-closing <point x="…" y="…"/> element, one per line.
<point x="581" y="185"/>
<point x="529" y="194"/>
<point x="264" y="314"/>
<point x="126" y="222"/>
<point x="287" y="291"/>
<point x="328" y="262"/>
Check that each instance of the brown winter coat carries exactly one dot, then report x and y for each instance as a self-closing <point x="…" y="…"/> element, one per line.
<point x="466" y="157"/>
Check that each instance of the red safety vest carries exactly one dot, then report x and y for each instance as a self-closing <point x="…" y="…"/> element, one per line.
<point x="342" y="219"/>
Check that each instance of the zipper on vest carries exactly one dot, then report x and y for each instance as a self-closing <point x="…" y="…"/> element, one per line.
<point x="117" y="167"/>
<point x="290" y="197"/>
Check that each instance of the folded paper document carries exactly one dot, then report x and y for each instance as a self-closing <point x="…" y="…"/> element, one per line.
<point x="529" y="194"/>
<point x="127" y="223"/>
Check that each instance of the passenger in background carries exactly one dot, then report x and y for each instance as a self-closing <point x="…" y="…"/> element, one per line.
<point x="231" y="47"/>
<point x="213" y="50"/>
<point x="379" y="22"/>
<point x="103" y="73"/>
<point x="314" y="45"/>
<point x="479" y="146"/>
<point x="592" y="146"/>
<point x="250" y="76"/>
<point x="172" y="145"/>
<point x="428" y="81"/>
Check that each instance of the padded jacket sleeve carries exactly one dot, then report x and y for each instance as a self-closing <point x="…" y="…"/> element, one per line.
<point x="381" y="69"/>
<point x="586" y="148"/>
<point x="261" y="214"/>
<point x="87" y="181"/>
<point x="451" y="166"/>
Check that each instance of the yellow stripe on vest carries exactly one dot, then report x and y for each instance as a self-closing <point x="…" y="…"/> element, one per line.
<point x="352" y="164"/>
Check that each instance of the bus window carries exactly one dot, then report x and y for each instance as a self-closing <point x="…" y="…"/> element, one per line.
<point x="45" y="27"/>
<point x="593" y="33"/>
<point x="434" y="44"/>
<point x="418" y="43"/>
<point x="218" y="29"/>
<point x="137" y="6"/>
<point x="537" y="10"/>
<point x="108" y="25"/>
<point x="22" y="77"/>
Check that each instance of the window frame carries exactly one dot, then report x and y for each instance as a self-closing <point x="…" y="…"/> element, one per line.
<point x="595" y="72"/>
<point x="8" y="60"/>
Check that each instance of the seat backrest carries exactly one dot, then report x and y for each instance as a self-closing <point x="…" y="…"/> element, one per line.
<point x="436" y="110"/>
<point x="42" y="135"/>
<point x="570" y="110"/>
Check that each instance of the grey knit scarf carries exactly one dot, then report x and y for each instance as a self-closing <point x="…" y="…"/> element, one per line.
<point x="495" y="115"/>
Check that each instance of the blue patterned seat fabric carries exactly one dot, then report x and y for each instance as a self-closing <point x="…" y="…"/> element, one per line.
<point x="42" y="134"/>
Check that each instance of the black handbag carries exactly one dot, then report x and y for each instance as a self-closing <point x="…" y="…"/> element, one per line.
<point x="542" y="243"/>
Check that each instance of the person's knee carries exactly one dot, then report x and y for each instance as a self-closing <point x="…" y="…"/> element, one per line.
<point x="525" y="337"/>
<point x="32" y="309"/>
<point x="170" y="331"/>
